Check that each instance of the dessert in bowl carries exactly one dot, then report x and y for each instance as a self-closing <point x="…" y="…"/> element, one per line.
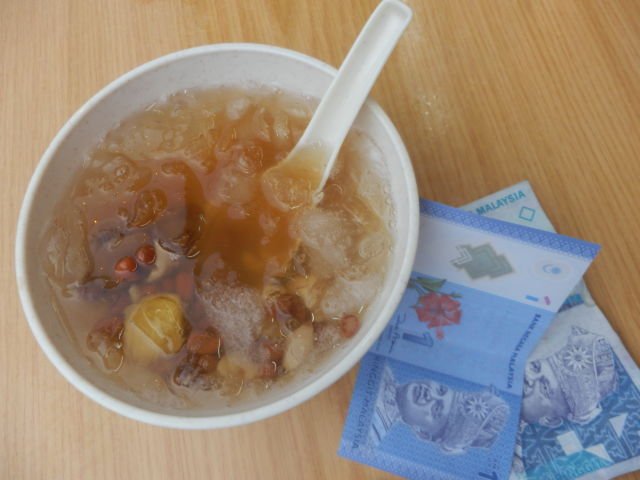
<point x="160" y="280"/>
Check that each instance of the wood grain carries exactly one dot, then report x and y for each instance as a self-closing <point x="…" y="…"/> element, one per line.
<point x="485" y="94"/>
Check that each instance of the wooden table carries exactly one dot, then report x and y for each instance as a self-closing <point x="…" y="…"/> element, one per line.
<point x="484" y="93"/>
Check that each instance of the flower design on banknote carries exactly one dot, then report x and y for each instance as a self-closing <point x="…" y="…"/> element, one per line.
<point x="577" y="358"/>
<point x="476" y="407"/>
<point x="436" y="309"/>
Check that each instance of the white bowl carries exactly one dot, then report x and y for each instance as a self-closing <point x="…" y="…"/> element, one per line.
<point x="208" y="66"/>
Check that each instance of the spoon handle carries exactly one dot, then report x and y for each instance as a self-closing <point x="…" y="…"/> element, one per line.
<point x="351" y="86"/>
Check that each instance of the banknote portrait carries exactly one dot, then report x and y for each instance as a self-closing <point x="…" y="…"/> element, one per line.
<point x="453" y="420"/>
<point x="569" y="384"/>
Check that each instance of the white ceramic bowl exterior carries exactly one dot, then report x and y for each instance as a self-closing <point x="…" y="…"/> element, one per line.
<point x="208" y="66"/>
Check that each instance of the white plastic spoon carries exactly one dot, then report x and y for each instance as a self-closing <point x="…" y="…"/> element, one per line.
<point x="299" y="178"/>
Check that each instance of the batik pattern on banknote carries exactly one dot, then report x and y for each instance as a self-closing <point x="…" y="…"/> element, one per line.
<point x="581" y="405"/>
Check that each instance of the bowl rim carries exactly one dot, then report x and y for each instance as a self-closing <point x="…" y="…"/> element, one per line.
<point x="263" y="411"/>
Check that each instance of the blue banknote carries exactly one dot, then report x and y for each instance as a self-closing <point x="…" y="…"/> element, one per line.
<point x="439" y="394"/>
<point x="581" y="409"/>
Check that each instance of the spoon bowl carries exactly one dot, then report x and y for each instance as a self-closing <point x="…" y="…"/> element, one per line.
<point x="301" y="176"/>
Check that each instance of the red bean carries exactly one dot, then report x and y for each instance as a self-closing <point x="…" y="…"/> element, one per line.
<point x="125" y="265"/>
<point x="204" y="342"/>
<point x="349" y="325"/>
<point x="146" y="254"/>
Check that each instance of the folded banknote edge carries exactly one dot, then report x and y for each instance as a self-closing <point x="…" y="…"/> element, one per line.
<point x="568" y="245"/>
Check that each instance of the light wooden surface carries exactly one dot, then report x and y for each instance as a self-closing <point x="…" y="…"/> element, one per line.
<point x="485" y="93"/>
